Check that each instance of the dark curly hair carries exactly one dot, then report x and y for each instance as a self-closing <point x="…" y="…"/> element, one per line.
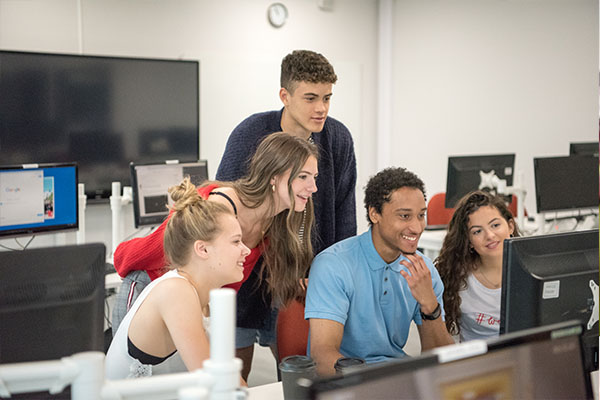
<point x="455" y="261"/>
<point x="381" y="186"/>
<point x="307" y="66"/>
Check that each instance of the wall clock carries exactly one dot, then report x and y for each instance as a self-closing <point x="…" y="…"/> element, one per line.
<point x="277" y="14"/>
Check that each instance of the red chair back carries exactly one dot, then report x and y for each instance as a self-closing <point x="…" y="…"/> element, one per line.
<point x="513" y="206"/>
<point x="292" y="331"/>
<point x="437" y="213"/>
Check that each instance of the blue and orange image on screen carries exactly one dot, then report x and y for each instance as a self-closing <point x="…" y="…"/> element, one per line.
<point x="38" y="199"/>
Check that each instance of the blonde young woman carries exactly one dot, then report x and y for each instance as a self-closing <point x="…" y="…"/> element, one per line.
<point x="273" y="205"/>
<point x="203" y="242"/>
<point x="470" y="265"/>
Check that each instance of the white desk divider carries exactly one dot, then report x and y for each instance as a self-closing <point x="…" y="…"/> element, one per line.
<point x="155" y="387"/>
<point x="85" y="371"/>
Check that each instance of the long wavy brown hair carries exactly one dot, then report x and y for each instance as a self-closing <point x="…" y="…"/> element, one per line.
<point x="455" y="261"/>
<point x="289" y="252"/>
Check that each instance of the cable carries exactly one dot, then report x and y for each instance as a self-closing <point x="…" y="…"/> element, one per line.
<point x="8" y="248"/>
<point x="107" y="312"/>
<point x="26" y="244"/>
<point x="137" y="232"/>
<point x="20" y="245"/>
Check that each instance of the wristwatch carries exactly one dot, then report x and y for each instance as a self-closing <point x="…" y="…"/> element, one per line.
<point x="434" y="315"/>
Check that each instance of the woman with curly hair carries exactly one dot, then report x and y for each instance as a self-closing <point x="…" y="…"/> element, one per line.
<point x="470" y="265"/>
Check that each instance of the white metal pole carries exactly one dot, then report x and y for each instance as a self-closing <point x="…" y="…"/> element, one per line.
<point x="521" y="193"/>
<point x="81" y="209"/>
<point x="88" y="382"/>
<point x="115" y="206"/>
<point x="222" y="365"/>
<point x="222" y="325"/>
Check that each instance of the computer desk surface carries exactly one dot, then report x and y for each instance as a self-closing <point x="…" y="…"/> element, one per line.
<point x="112" y="281"/>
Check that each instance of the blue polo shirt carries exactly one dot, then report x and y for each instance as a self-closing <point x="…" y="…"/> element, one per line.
<point x="351" y="284"/>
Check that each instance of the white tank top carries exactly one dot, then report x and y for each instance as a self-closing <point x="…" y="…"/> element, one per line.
<point x="480" y="311"/>
<point x="120" y="365"/>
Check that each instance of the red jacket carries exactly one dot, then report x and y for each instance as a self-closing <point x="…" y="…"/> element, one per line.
<point x="147" y="253"/>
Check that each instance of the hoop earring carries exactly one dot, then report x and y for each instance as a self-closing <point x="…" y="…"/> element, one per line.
<point x="273" y="188"/>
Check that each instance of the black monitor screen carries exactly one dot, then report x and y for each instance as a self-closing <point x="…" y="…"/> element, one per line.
<point x="464" y="173"/>
<point x="536" y="364"/>
<point x="102" y="112"/>
<point x="583" y="149"/>
<point x="552" y="278"/>
<point x="150" y="188"/>
<point x="38" y="199"/>
<point x="51" y="302"/>
<point x="563" y="183"/>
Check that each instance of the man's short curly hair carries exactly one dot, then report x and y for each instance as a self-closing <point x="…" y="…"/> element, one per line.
<point x="380" y="187"/>
<point x="307" y="66"/>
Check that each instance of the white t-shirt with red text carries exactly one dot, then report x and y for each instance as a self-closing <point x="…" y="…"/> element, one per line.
<point x="480" y="311"/>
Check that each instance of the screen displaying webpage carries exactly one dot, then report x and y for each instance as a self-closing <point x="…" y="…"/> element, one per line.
<point x="38" y="199"/>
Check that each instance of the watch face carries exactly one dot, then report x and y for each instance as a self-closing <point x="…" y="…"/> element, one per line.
<point x="277" y="14"/>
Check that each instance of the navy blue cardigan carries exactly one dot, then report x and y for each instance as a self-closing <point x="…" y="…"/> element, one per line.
<point x="335" y="200"/>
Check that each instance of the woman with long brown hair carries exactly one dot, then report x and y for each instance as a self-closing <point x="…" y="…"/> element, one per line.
<point x="470" y="264"/>
<point x="274" y="208"/>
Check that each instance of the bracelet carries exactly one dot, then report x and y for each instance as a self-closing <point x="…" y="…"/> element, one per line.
<point x="434" y="315"/>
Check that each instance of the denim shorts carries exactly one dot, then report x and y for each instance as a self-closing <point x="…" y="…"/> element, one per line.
<point x="246" y="337"/>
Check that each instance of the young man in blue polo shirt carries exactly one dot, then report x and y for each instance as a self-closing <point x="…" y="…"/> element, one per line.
<point x="363" y="292"/>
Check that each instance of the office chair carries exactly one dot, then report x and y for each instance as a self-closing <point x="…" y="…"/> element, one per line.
<point x="437" y="213"/>
<point x="292" y="330"/>
<point x="512" y="207"/>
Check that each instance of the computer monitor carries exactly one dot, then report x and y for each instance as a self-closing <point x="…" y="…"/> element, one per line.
<point x="150" y="188"/>
<point x="564" y="183"/>
<point x="464" y="173"/>
<point x="38" y="198"/>
<point x="101" y="112"/>
<point x="51" y="302"/>
<point x="552" y="278"/>
<point x="583" y="149"/>
<point x="541" y="363"/>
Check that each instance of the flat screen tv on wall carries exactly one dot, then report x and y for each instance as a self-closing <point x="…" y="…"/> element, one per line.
<point x="102" y="112"/>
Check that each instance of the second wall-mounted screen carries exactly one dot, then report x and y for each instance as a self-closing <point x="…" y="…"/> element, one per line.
<point x="102" y="112"/>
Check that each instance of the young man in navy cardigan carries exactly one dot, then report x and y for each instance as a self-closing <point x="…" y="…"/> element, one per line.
<point x="307" y="80"/>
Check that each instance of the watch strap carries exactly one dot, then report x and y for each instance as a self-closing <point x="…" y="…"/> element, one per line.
<point x="434" y="315"/>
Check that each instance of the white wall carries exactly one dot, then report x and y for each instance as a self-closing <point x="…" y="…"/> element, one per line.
<point x="492" y="76"/>
<point x="469" y="76"/>
<point x="239" y="54"/>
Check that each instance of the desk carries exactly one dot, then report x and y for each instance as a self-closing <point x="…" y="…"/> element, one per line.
<point x="271" y="391"/>
<point x="112" y="281"/>
<point x="431" y="242"/>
